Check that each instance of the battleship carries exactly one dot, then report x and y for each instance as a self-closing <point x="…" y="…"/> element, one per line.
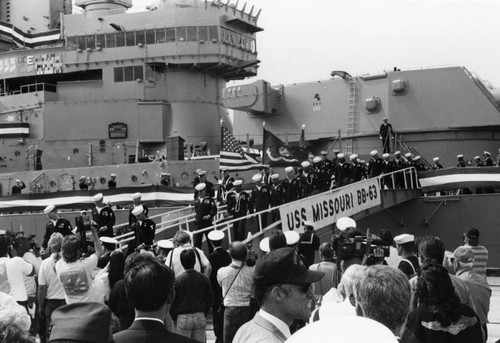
<point x="142" y="94"/>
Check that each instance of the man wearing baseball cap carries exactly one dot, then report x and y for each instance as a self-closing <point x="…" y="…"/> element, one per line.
<point x="283" y="289"/>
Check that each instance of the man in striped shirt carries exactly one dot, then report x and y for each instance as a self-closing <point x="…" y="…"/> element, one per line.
<point x="471" y="240"/>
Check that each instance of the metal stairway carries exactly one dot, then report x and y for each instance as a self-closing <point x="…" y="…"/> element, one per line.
<point x="351" y="114"/>
<point x="414" y="151"/>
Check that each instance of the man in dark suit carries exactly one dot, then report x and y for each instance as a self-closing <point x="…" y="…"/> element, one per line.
<point x="150" y="288"/>
<point x="218" y="258"/>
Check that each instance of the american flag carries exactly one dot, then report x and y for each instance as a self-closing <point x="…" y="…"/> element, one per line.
<point x="232" y="156"/>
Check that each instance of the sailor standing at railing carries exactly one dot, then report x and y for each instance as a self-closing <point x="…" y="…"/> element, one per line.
<point x="238" y="205"/>
<point x="342" y="176"/>
<point x="358" y="170"/>
<point x="260" y="198"/>
<point x="292" y="185"/>
<point x="308" y="179"/>
<point x="103" y="216"/>
<point x="375" y="164"/>
<point x="144" y="229"/>
<point x="205" y="210"/>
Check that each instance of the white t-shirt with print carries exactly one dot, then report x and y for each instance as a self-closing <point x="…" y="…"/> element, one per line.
<point x="48" y="277"/>
<point x="76" y="279"/>
<point x="12" y="271"/>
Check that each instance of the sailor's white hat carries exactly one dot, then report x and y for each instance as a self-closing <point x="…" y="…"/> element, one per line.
<point x="373" y="152"/>
<point x="486" y="153"/>
<point x="386" y="155"/>
<point x="316" y="159"/>
<point x="345" y="222"/>
<point x="202" y="172"/>
<point x="97" y="197"/>
<point x="397" y="153"/>
<point x="416" y="158"/>
<point x="264" y="245"/>
<point x="201" y="186"/>
<point x="136" y="196"/>
<point x="17" y="180"/>
<point x="292" y="237"/>
<point x="83" y="177"/>
<point x="137" y="210"/>
<point x="404" y="238"/>
<point x="477" y="158"/>
<point x="216" y="235"/>
<point x="49" y="209"/>
<point x="237" y="182"/>
<point x="323" y="152"/>
<point x="435" y="159"/>
<point x="341" y="155"/>
<point x="106" y="239"/>
<point x="408" y="155"/>
<point x="460" y="156"/>
<point x="305" y="164"/>
<point x="112" y="175"/>
<point x="289" y="169"/>
<point x="275" y="176"/>
<point x="353" y="157"/>
<point x="165" y="244"/>
<point x="256" y="177"/>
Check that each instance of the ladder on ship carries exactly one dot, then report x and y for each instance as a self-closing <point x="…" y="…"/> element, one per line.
<point x="351" y="114"/>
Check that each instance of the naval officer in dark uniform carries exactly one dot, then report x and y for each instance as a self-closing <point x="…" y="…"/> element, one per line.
<point x="386" y="134"/>
<point x="238" y="205"/>
<point x="103" y="216"/>
<point x="260" y="198"/>
<point x="55" y="224"/>
<point x="18" y="187"/>
<point x="112" y="182"/>
<point x="205" y="210"/>
<point x="144" y="229"/>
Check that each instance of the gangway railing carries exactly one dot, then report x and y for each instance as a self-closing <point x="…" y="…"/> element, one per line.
<point x="414" y="151"/>
<point x="401" y="179"/>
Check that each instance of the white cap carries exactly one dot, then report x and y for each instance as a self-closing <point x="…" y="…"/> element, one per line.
<point x="136" y="196"/>
<point x="323" y="152"/>
<point x="373" y="152"/>
<point x="49" y="209"/>
<point x="275" y="176"/>
<point x="82" y="177"/>
<point x="477" y="158"/>
<point x="237" y="182"/>
<point x="216" y="235"/>
<point x="486" y="153"/>
<point x="309" y="223"/>
<point x="289" y="169"/>
<point x="110" y="240"/>
<point x="404" y="238"/>
<point x="460" y="156"/>
<point x="408" y="155"/>
<point x="345" y="222"/>
<point x="416" y="158"/>
<point x="163" y="174"/>
<point x="316" y="159"/>
<point x="17" y="180"/>
<point x="346" y="328"/>
<point x="305" y="164"/>
<point x="165" y="244"/>
<point x="386" y="155"/>
<point x="292" y="237"/>
<point x="353" y="157"/>
<point x="137" y="210"/>
<point x="256" y="177"/>
<point x="97" y="197"/>
<point x="112" y="175"/>
<point x="397" y="153"/>
<point x="202" y="172"/>
<point x="341" y="155"/>
<point x="201" y="186"/>
<point x="264" y="245"/>
<point x="435" y="159"/>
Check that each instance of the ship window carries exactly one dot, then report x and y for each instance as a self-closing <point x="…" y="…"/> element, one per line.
<point x="160" y="35"/>
<point x="180" y="34"/>
<point x="120" y="39"/>
<point x="170" y="34"/>
<point x="129" y="74"/>
<point x="191" y="33"/>
<point x="71" y="43"/>
<point x="203" y="33"/>
<point x="213" y="33"/>
<point x="139" y="37"/>
<point x="118" y="74"/>
<point x="130" y="38"/>
<point x="100" y="41"/>
<point x="150" y="36"/>
<point x="81" y="42"/>
<point x="90" y="42"/>
<point x="138" y="72"/>
<point x="110" y="40"/>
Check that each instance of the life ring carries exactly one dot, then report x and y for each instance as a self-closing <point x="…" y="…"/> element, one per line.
<point x="102" y="180"/>
<point x="53" y="184"/>
<point x="184" y="176"/>
<point x="134" y="178"/>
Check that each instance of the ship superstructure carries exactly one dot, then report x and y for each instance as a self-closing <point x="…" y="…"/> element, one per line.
<point x="111" y="87"/>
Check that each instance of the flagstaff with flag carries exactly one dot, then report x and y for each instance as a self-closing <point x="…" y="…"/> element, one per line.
<point x="276" y="153"/>
<point x="232" y="156"/>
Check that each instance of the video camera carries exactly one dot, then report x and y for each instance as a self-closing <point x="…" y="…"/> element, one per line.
<point x="375" y="250"/>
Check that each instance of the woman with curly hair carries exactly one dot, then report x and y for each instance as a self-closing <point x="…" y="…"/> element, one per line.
<point x="440" y="316"/>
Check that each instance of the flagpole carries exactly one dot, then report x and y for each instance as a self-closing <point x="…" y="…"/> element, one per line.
<point x="221" y="143"/>
<point x="263" y="142"/>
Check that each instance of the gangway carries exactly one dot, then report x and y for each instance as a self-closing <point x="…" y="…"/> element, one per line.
<point x="408" y="189"/>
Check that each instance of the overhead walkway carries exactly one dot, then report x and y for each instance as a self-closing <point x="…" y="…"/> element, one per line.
<point x="356" y="200"/>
